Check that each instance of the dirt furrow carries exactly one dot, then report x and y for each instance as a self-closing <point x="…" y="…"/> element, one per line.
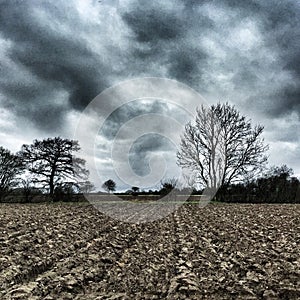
<point x="216" y="252"/>
<point x="144" y="269"/>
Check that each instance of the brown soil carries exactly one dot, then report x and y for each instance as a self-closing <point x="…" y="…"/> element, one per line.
<point x="68" y="251"/>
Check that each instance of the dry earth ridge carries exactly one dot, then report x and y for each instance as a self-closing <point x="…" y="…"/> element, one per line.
<point x="72" y="251"/>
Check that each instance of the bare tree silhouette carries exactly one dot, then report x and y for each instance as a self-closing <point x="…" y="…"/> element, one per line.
<point x="11" y="166"/>
<point x="51" y="161"/>
<point x="221" y="147"/>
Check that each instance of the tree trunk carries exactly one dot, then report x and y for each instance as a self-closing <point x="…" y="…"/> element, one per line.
<point x="51" y="185"/>
<point x="51" y="180"/>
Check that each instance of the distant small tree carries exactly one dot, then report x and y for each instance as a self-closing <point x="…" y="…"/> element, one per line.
<point x="11" y="166"/>
<point x="109" y="185"/>
<point x="135" y="189"/>
<point x="168" y="185"/>
<point x="86" y="187"/>
<point x="29" y="191"/>
<point x="280" y="171"/>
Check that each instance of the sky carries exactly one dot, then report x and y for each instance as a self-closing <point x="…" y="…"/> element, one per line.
<point x="57" y="56"/>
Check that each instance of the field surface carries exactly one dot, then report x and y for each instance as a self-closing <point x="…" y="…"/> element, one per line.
<point x="72" y="251"/>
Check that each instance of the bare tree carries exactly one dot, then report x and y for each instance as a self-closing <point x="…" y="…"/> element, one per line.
<point x="86" y="187"/>
<point x="168" y="185"/>
<point x="11" y="166"/>
<point x="109" y="185"/>
<point x="221" y="147"/>
<point x="51" y="161"/>
<point x="29" y="191"/>
<point x="279" y="171"/>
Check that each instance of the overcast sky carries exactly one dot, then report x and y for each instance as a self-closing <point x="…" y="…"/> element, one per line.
<point x="56" y="56"/>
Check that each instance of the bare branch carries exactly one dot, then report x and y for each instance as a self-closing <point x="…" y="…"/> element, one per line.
<point x="221" y="146"/>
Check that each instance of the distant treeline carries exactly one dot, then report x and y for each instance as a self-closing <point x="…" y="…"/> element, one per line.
<point x="47" y="170"/>
<point x="276" y="186"/>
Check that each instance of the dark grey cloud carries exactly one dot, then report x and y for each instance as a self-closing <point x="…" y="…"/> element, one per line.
<point x="281" y="23"/>
<point x="278" y="23"/>
<point x="55" y="60"/>
<point x="167" y="33"/>
<point x="164" y="32"/>
<point x="186" y="65"/>
<point x="56" y="56"/>
<point x="151" y="25"/>
<point x="144" y="147"/>
<point x="288" y="100"/>
<point x="174" y="33"/>
<point x="127" y="112"/>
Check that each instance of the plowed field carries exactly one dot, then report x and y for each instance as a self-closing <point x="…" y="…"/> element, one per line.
<point x="63" y="251"/>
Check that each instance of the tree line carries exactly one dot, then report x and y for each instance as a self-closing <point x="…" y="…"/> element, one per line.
<point x="221" y="149"/>
<point x="45" y="166"/>
<point x="276" y="185"/>
<point x="224" y="152"/>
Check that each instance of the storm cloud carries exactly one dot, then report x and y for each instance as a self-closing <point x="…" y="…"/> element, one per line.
<point x="56" y="56"/>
